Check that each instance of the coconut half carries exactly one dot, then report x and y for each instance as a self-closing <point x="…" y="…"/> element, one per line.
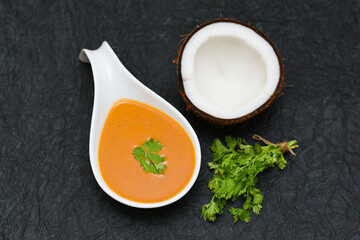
<point x="229" y="71"/>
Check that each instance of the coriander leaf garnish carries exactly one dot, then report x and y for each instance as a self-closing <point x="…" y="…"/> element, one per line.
<point x="148" y="157"/>
<point x="236" y="167"/>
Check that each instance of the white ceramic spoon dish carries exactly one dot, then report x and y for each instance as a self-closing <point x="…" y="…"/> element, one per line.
<point x="112" y="81"/>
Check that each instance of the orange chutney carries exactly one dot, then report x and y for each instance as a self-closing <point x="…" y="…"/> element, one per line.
<point x="129" y="124"/>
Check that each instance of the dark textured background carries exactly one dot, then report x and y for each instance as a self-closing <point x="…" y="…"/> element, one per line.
<point x="47" y="189"/>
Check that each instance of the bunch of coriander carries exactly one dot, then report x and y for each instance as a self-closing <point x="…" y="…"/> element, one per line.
<point x="236" y="167"/>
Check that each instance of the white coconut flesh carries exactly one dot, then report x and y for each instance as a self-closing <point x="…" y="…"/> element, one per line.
<point x="229" y="70"/>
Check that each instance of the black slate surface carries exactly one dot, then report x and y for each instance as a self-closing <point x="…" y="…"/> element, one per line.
<point x="47" y="189"/>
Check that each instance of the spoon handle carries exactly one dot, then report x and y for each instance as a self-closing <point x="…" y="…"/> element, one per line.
<point x="103" y="63"/>
<point x="111" y="78"/>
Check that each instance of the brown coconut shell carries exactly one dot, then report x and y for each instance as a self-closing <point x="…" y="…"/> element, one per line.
<point x="208" y="117"/>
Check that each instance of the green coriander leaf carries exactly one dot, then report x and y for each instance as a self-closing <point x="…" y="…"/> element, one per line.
<point x="210" y="210"/>
<point x="248" y="149"/>
<point x="256" y="209"/>
<point x="138" y="153"/>
<point x="257" y="197"/>
<point x="148" y="157"/>
<point x="218" y="150"/>
<point x="160" y="167"/>
<point x="145" y="165"/>
<point x="213" y="165"/>
<point x="231" y="142"/>
<point x="156" y="158"/>
<point x="152" y="167"/>
<point x="240" y="214"/>
<point x="153" y="145"/>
